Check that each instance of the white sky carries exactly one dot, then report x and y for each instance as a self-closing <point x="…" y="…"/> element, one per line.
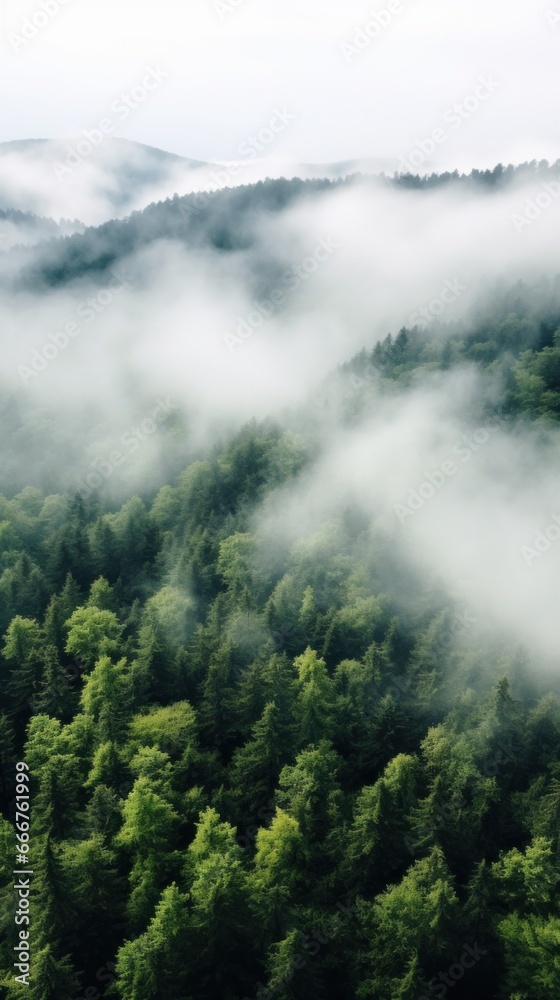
<point x="228" y="74"/>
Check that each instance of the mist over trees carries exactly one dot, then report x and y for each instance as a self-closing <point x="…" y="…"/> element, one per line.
<point x="271" y="756"/>
<point x="279" y="506"/>
<point x="225" y="220"/>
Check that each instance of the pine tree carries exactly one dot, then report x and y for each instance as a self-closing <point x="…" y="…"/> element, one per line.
<point x="53" y="626"/>
<point x="52" y="977"/>
<point x="256" y="766"/>
<point x="279" y="859"/>
<point x="315" y="701"/>
<point x="58" y="692"/>
<point x="22" y="648"/>
<point x="55" y="807"/>
<point x="7" y="761"/>
<point x="54" y="915"/>
<point x="156" y="965"/>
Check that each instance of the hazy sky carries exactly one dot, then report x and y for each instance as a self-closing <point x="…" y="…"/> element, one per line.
<point x="232" y="63"/>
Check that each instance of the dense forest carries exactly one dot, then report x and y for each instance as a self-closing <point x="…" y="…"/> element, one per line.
<point x="225" y="219"/>
<point x="262" y="771"/>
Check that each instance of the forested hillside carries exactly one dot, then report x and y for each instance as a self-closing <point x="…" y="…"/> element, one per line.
<point x="24" y="228"/>
<point x="227" y="219"/>
<point x="261" y="768"/>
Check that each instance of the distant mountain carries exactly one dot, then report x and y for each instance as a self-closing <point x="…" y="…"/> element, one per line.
<point x="57" y="149"/>
<point x="74" y="178"/>
<point x="77" y="178"/>
<point x="345" y="168"/>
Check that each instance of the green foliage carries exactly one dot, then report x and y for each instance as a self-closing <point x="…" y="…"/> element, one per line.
<point x="107" y="697"/>
<point x="171" y="729"/>
<point x="92" y="633"/>
<point x="315" y="701"/>
<point x="532" y="947"/>
<point x="537" y="377"/>
<point x="267" y="768"/>
<point x="148" y="820"/>
<point x="527" y="882"/>
<point x="152" y="967"/>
